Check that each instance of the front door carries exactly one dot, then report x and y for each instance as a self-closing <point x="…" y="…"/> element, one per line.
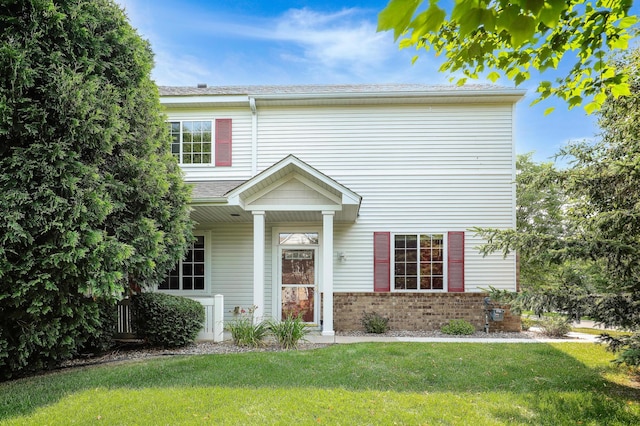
<point x="298" y="281"/>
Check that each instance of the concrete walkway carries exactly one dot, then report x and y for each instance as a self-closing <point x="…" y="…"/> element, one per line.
<point x="571" y="337"/>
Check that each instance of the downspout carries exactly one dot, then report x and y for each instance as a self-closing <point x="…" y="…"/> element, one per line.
<point x="254" y="136"/>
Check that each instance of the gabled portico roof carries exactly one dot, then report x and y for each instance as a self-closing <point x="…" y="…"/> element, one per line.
<point x="289" y="190"/>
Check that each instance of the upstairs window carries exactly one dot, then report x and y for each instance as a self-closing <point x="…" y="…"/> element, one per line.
<point x="191" y="141"/>
<point x="201" y="141"/>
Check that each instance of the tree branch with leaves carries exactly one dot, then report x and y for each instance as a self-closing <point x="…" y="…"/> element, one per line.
<point x="496" y="38"/>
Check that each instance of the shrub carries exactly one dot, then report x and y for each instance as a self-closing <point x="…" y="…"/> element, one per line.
<point x="288" y="332"/>
<point x="166" y="320"/>
<point x="52" y="335"/>
<point x="528" y="322"/>
<point x="244" y="331"/>
<point x="555" y="326"/>
<point x="374" y="322"/>
<point x="101" y="336"/>
<point x="627" y="347"/>
<point x="458" y="327"/>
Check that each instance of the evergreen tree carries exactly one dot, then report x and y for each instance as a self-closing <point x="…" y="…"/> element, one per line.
<point x="600" y="241"/>
<point x="90" y="198"/>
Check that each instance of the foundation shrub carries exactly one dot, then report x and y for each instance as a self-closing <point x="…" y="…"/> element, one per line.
<point x="458" y="327"/>
<point x="166" y="320"/>
<point x="374" y="322"/>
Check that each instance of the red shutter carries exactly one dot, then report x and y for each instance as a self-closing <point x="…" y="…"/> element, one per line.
<point x="223" y="142"/>
<point x="381" y="261"/>
<point x="455" y="256"/>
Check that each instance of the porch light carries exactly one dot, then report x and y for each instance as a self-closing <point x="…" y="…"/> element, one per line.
<point x="342" y="257"/>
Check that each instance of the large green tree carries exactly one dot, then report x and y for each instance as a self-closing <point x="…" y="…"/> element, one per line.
<point x="602" y="217"/>
<point x="549" y="278"/>
<point x="90" y="198"/>
<point x="511" y="38"/>
<point x="540" y="211"/>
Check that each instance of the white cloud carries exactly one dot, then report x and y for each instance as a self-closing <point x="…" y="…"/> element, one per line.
<point x="335" y="40"/>
<point x="179" y="70"/>
<point x="343" y="41"/>
<point x="297" y="46"/>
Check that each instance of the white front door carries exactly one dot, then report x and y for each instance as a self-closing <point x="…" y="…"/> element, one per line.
<point x="298" y="278"/>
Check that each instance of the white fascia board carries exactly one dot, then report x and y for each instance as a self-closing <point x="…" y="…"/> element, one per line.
<point x="193" y="100"/>
<point x="316" y="188"/>
<point x="208" y="201"/>
<point x="326" y="180"/>
<point x="347" y="195"/>
<point x="350" y="199"/>
<point x="294" y="208"/>
<point x="234" y="200"/>
<point x="480" y="95"/>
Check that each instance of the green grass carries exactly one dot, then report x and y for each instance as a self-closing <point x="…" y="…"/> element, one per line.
<point x="597" y="332"/>
<point x="366" y="383"/>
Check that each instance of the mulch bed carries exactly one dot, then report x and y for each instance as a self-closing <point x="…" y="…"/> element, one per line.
<point x="137" y="350"/>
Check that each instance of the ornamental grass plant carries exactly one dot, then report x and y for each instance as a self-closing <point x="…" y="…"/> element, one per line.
<point x="289" y="332"/>
<point x="246" y="331"/>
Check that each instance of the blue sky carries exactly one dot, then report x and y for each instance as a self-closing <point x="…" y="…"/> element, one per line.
<point x="242" y="42"/>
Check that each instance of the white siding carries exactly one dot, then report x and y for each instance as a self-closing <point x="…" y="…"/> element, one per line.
<point x="292" y="192"/>
<point x="427" y="169"/>
<point x="418" y="169"/>
<point x="232" y="265"/>
<point x="241" y="143"/>
<point x="231" y="257"/>
<point x="378" y="139"/>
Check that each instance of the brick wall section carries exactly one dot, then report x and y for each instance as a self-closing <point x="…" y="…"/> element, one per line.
<point x="417" y="311"/>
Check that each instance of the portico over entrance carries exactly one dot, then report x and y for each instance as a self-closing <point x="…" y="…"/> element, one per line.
<point x="297" y="206"/>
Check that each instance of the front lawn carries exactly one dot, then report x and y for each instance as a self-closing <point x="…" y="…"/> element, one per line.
<point x="366" y="383"/>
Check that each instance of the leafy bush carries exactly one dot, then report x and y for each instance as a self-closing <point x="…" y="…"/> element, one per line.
<point x="374" y="322"/>
<point x="166" y="320"/>
<point x="101" y="336"/>
<point x="555" y="326"/>
<point x="52" y="334"/>
<point x="458" y="327"/>
<point x="527" y="323"/>
<point x="288" y="332"/>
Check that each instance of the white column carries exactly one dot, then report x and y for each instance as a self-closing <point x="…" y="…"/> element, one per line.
<point x="258" y="264"/>
<point x="327" y="273"/>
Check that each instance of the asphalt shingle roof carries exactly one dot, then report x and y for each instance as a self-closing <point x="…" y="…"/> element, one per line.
<point x="324" y="89"/>
<point x="213" y="189"/>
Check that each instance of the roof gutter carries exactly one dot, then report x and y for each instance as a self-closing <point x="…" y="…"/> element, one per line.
<point x="204" y="201"/>
<point x="515" y="93"/>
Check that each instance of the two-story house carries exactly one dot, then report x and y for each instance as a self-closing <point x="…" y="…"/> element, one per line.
<point x="327" y="201"/>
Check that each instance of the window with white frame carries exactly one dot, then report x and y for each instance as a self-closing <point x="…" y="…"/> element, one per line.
<point x="192" y="141"/>
<point x="418" y="262"/>
<point x="189" y="273"/>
